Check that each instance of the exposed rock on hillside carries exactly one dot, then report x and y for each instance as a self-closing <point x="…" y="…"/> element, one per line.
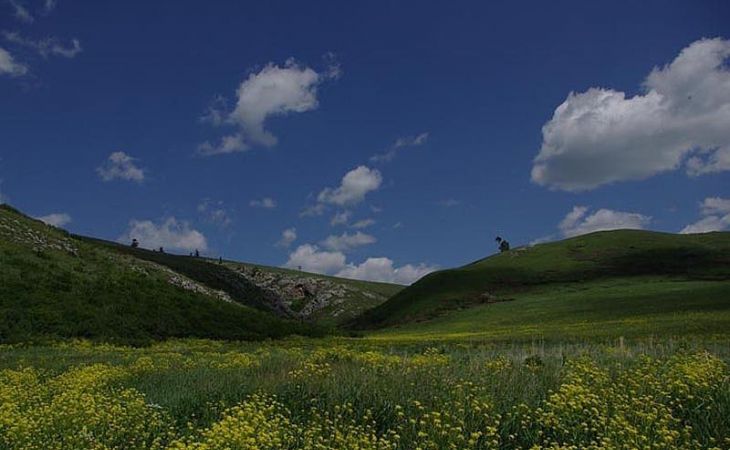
<point x="304" y="296"/>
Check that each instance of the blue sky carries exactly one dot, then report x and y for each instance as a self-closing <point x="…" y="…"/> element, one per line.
<point x="377" y="140"/>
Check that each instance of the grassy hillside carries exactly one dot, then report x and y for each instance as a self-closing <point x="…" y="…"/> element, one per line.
<point x="508" y="283"/>
<point x="55" y="285"/>
<point x="629" y="307"/>
<point x="287" y="293"/>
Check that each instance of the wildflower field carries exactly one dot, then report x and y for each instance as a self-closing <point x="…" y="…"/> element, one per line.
<point x="366" y="394"/>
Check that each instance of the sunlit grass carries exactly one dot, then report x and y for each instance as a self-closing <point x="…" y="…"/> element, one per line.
<point x="366" y="394"/>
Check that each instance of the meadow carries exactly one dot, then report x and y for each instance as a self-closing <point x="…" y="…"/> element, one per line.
<point x="341" y="393"/>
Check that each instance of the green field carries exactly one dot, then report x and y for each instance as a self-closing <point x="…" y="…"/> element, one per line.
<point x="362" y="394"/>
<point x="614" y="340"/>
<point x="643" y="306"/>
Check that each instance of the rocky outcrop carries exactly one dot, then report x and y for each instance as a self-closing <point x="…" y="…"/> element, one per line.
<point x="302" y="296"/>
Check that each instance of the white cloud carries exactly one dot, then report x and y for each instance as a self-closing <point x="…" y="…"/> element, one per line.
<point x="288" y="237"/>
<point x="600" y="136"/>
<point x="346" y="241"/>
<point x="46" y="47"/>
<point x="273" y="91"/>
<point x="55" y="219"/>
<point x="21" y="12"/>
<point x="312" y="211"/>
<point x="708" y="224"/>
<point x="311" y="259"/>
<point x="48" y="6"/>
<point x="353" y="188"/>
<point x="170" y="234"/>
<point x="120" y="166"/>
<point x="341" y="218"/>
<point x="9" y="66"/>
<point x="383" y="270"/>
<point x="716" y="212"/>
<point x="228" y="144"/>
<point x="410" y="141"/>
<point x="215" y="213"/>
<point x="577" y="221"/>
<point x="216" y="113"/>
<point x="715" y="205"/>
<point x="266" y="203"/>
<point x="364" y="223"/>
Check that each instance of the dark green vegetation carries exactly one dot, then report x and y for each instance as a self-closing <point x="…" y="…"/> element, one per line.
<point x="600" y="283"/>
<point x="204" y="271"/>
<point x="54" y="285"/>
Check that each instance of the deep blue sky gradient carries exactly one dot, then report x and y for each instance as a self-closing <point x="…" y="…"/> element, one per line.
<point x="481" y="77"/>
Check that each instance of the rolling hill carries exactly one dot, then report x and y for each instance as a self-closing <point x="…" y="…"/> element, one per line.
<point x="604" y="279"/>
<point x="56" y="285"/>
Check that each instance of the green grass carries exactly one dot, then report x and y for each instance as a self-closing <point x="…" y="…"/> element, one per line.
<point x="604" y="309"/>
<point x="48" y="293"/>
<point x="359" y="297"/>
<point x="602" y="256"/>
<point x="369" y="383"/>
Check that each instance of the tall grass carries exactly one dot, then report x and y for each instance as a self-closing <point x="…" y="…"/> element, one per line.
<point x="359" y="394"/>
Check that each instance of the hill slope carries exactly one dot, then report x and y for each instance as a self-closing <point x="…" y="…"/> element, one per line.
<point x="53" y="284"/>
<point x="540" y="271"/>
<point x="287" y="293"/>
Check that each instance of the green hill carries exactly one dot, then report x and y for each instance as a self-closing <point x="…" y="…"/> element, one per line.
<point x="532" y="291"/>
<point x="288" y="293"/>
<point x="57" y="285"/>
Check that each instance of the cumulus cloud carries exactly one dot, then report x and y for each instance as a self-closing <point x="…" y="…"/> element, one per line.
<point x="313" y="211"/>
<point x="120" y="166"/>
<point x="603" y="136"/>
<point x="46" y="47"/>
<point x="353" y="187"/>
<point x="8" y="65"/>
<point x="170" y="234"/>
<point x="55" y="219"/>
<point x="346" y="241"/>
<point x="383" y="270"/>
<point x="716" y="216"/>
<point x="399" y="144"/>
<point x="228" y="144"/>
<point x="364" y="223"/>
<point x="578" y="221"/>
<point x="273" y="91"/>
<point x="715" y="205"/>
<point x="341" y="218"/>
<point x="215" y="212"/>
<point x="21" y="12"/>
<point x="311" y="258"/>
<point x="266" y="203"/>
<point x="288" y="237"/>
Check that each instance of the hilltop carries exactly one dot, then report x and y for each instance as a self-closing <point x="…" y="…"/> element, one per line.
<point x="57" y="285"/>
<point x="599" y="276"/>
